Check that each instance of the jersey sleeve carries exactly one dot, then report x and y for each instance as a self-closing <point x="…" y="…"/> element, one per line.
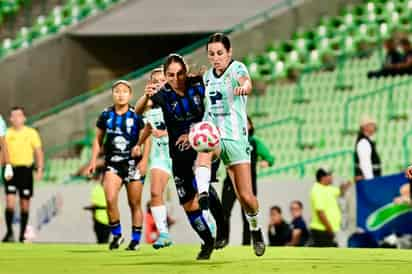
<point x="101" y="121"/>
<point x="240" y="70"/>
<point x="2" y="127"/>
<point x="263" y="152"/>
<point x="140" y="122"/>
<point x="35" y="139"/>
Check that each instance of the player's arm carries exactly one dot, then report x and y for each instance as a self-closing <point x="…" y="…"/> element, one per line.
<point x="245" y="83"/>
<point x="142" y="166"/>
<point x="4" y="153"/>
<point x="264" y="153"/>
<point x="147" y="131"/>
<point x="149" y="90"/>
<point x="39" y="157"/>
<point x="97" y="145"/>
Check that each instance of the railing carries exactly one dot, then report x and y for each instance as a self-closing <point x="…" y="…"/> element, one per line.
<point x="301" y="165"/>
<point x="140" y="72"/>
<point x="288" y="120"/>
<point x="406" y="152"/>
<point x="390" y="107"/>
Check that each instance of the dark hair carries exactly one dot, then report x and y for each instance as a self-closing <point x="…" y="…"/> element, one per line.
<point x="299" y="203"/>
<point x="251" y="131"/>
<point x="18" y="108"/>
<point x="277" y="209"/>
<point x="174" y="58"/>
<point x="405" y="42"/>
<point x="219" y="37"/>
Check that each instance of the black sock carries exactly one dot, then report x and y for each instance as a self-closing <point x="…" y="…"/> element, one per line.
<point x="9" y="220"/>
<point x="24" y="217"/>
<point x="200" y="225"/>
<point x="218" y="213"/>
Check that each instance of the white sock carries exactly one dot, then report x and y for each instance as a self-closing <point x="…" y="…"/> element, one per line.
<point x="202" y="175"/>
<point x="252" y="219"/>
<point x="160" y="217"/>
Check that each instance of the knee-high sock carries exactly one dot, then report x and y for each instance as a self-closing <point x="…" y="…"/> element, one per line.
<point x="160" y="217"/>
<point x="24" y="217"/>
<point x="200" y="225"/>
<point x="9" y="214"/>
<point x="253" y="220"/>
<point x="116" y="228"/>
<point x="202" y="175"/>
<point x="218" y="213"/>
<point x="136" y="233"/>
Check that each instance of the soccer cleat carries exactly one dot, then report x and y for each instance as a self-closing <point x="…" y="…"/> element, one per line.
<point x="258" y="242"/>
<point x="163" y="241"/>
<point x="205" y="251"/>
<point x="116" y="242"/>
<point x="204" y="201"/>
<point x="221" y="243"/>
<point x="222" y="238"/>
<point x="8" y="238"/>
<point x="133" y="245"/>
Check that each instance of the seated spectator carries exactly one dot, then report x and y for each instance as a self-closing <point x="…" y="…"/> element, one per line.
<point x="392" y="61"/>
<point x="300" y="233"/>
<point x="405" y="67"/>
<point x="278" y="231"/>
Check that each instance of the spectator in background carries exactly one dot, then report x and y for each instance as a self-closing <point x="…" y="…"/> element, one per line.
<point x="326" y="214"/>
<point x="4" y="153"/>
<point x="259" y="152"/>
<point x="405" y="67"/>
<point x="393" y="58"/>
<point x="300" y="233"/>
<point x="99" y="209"/>
<point x="22" y="142"/>
<point x="367" y="160"/>
<point x="279" y="232"/>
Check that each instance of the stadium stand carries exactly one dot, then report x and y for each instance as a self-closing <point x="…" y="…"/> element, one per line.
<point x="59" y="18"/>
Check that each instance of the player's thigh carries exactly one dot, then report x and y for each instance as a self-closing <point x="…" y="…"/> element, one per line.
<point x="26" y="182"/>
<point x="134" y="192"/>
<point x="184" y="180"/>
<point x="241" y="178"/>
<point x="158" y="180"/>
<point x="111" y="184"/>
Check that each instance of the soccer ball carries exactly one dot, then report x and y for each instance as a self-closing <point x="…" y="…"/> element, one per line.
<point x="204" y="137"/>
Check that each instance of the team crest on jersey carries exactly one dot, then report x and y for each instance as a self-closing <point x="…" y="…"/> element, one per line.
<point x="196" y="99"/>
<point x="129" y="124"/>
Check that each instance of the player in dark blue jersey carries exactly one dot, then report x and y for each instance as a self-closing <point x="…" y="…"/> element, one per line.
<point x="181" y="100"/>
<point x="120" y="127"/>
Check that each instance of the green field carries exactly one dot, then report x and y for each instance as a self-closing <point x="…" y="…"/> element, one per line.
<point x="92" y="259"/>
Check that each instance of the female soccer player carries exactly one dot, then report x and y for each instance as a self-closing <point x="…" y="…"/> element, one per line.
<point x="181" y="101"/>
<point x="123" y="163"/>
<point x="160" y="162"/>
<point x="227" y="86"/>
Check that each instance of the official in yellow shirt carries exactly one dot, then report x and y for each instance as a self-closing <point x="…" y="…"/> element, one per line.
<point x="326" y="214"/>
<point x="24" y="147"/>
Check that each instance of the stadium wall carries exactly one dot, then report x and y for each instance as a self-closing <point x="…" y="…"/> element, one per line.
<point x="251" y="37"/>
<point x="57" y="213"/>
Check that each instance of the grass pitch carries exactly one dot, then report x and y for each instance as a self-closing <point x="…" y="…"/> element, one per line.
<point x="93" y="259"/>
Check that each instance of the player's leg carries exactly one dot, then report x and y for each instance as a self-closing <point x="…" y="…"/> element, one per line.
<point x="203" y="175"/>
<point x="228" y="200"/>
<point x="25" y="192"/>
<point x="158" y="182"/>
<point x="11" y="191"/>
<point x="112" y="184"/>
<point x="242" y="180"/>
<point x="134" y="196"/>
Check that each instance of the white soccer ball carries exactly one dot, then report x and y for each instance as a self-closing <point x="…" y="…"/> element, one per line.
<point x="204" y="137"/>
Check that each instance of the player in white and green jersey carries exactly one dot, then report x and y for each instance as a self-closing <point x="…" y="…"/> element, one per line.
<point x="227" y="85"/>
<point x="160" y="164"/>
<point x="4" y="154"/>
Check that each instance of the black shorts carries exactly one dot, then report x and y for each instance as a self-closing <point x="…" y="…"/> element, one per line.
<point x="183" y="163"/>
<point x="22" y="182"/>
<point x="126" y="170"/>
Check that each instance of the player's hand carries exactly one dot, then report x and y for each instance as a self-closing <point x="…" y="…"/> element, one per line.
<point x="39" y="174"/>
<point x="183" y="142"/>
<point x="159" y="133"/>
<point x="136" y="151"/>
<point x="142" y="167"/>
<point x="408" y="172"/>
<point x="91" y="169"/>
<point x="8" y="172"/>
<point x="150" y="89"/>
<point x="239" y="91"/>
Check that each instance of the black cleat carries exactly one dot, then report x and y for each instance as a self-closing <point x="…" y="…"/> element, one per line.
<point x="116" y="242"/>
<point x="204" y="201"/>
<point x="222" y="237"/>
<point x="258" y="242"/>
<point x="133" y="245"/>
<point x="8" y="238"/>
<point x="221" y="243"/>
<point x="205" y="251"/>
